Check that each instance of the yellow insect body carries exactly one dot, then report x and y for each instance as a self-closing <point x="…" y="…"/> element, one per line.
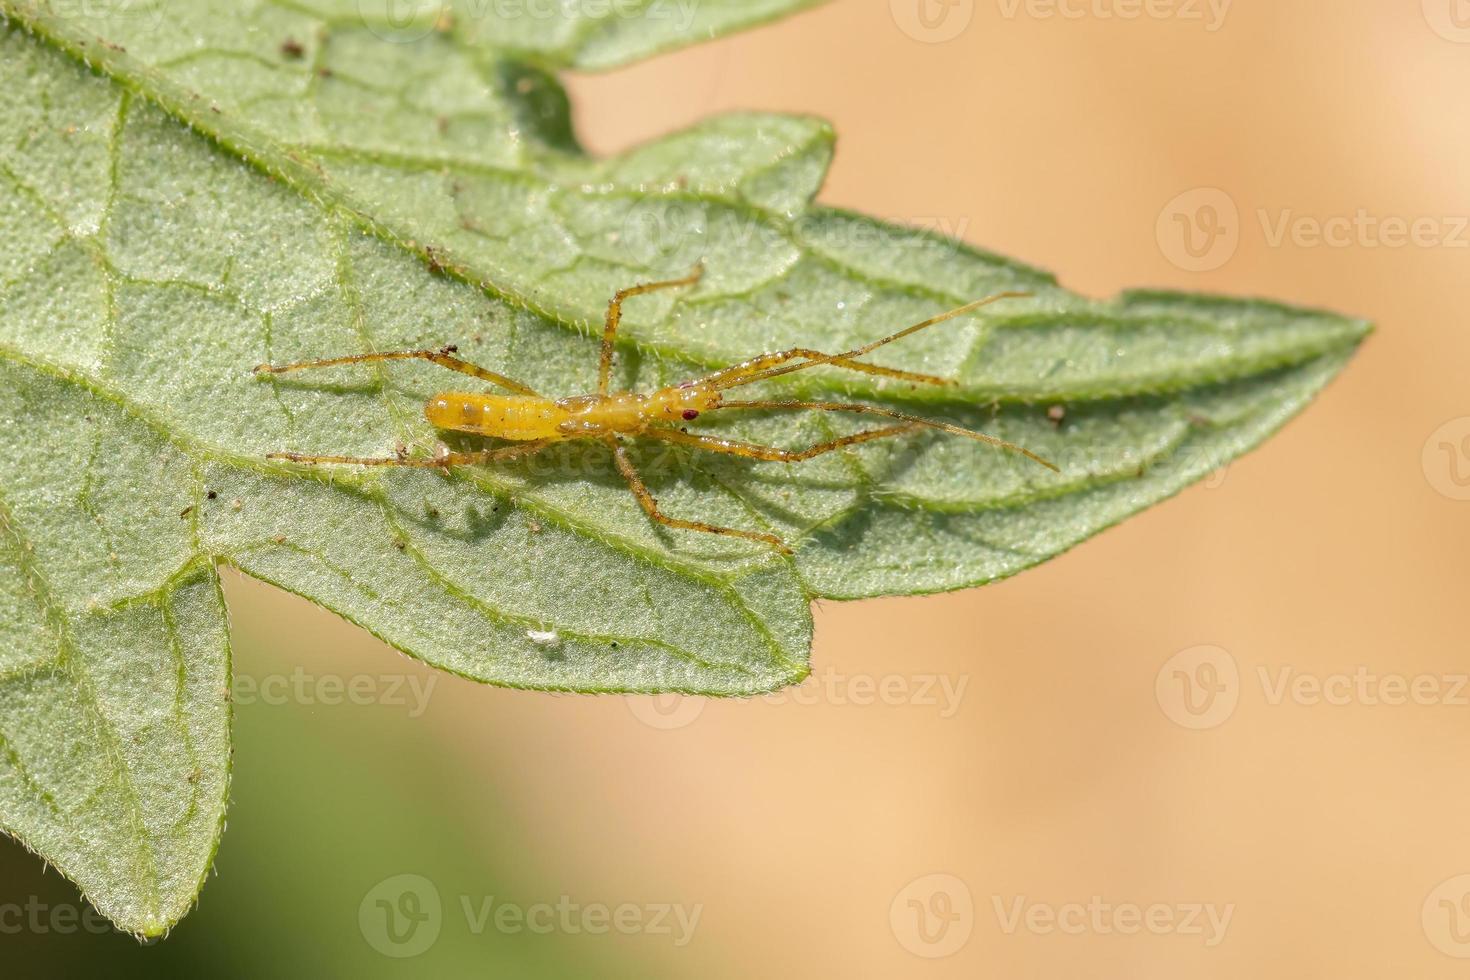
<point x="529" y="418"/>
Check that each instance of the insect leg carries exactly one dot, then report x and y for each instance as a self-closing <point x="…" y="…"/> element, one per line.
<point x="733" y="447"/>
<point x="444" y="357"/>
<point x="901" y="416"/>
<point x="651" y="508"/>
<point x="740" y="374"/>
<point x="441" y="462"/>
<point x="866" y="349"/>
<point x="615" y="317"/>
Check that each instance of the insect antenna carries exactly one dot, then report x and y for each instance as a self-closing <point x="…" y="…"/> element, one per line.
<point x="866" y="349"/>
<point x="859" y="409"/>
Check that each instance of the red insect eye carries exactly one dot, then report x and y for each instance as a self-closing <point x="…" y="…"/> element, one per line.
<point x="690" y="415"/>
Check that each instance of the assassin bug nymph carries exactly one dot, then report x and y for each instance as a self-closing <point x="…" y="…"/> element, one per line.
<point x="530" y="421"/>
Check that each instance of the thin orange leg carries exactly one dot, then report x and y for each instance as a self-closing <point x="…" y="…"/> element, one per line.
<point x="744" y="375"/>
<point x="734" y="447"/>
<point x="443" y="461"/>
<point x="444" y="357"/>
<point x="650" y="505"/>
<point x="615" y="317"/>
<point x="915" y="420"/>
<point x="731" y="377"/>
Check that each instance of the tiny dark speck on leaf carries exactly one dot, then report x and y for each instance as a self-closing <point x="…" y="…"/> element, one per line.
<point x="186" y="511"/>
<point x="292" y="48"/>
<point x="211" y="495"/>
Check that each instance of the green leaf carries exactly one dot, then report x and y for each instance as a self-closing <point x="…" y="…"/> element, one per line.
<point x="188" y="190"/>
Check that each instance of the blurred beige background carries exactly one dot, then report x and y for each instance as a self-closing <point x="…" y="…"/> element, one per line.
<point x="1048" y="777"/>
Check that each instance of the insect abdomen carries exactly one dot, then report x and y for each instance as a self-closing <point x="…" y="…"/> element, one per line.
<point x="516" y="417"/>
